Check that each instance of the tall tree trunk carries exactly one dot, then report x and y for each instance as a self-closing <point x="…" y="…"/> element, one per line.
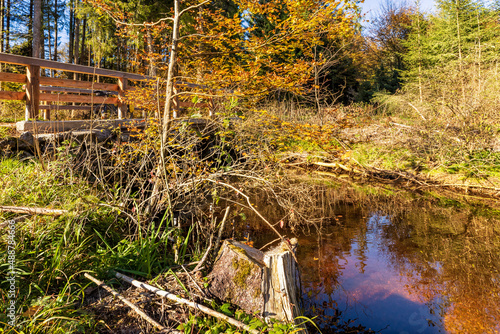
<point x="84" y="33"/>
<point x="7" y="37"/>
<point x="2" y="25"/>
<point x="152" y="65"/>
<point x="76" y="44"/>
<point x="56" y="26"/>
<point x="37" y="28"/>
<point x="49" y="37"/>
<point x="71" y="31"/>
<point x="2" y="17"/>
<point x="30" y="27"/>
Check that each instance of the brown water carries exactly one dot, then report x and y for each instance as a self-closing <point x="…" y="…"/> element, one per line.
<point x="424" y="271"/>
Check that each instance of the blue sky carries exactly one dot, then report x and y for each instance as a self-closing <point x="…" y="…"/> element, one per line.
<point x="372" y="6"/>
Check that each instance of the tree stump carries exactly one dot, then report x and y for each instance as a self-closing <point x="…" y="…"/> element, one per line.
<point x="264" y="284"/>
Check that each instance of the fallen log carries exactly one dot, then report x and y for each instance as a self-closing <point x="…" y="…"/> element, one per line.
<point x="266" y="284"/>
<point x="32" y="211"/>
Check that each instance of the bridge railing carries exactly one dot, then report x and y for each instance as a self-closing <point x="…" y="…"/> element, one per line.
<point x="39" y="88"/>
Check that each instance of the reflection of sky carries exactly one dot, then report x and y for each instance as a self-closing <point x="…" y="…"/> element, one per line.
<point x="371" y="291"/>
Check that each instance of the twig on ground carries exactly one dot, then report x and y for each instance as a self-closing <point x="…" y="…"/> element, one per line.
<point x="143" y="315"/>
<point x="195" y="283"/>
<point x="32" y="211"/>
<point x="191" y="304"/>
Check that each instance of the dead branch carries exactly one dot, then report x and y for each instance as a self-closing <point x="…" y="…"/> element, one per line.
<point x="191" y="304"/>
<point x="131" y="305"/>
<point x="336" y="165"/>
<point x="217" y="243"/>
<point x="418" y="111"/>
<point x="32" y="211"/>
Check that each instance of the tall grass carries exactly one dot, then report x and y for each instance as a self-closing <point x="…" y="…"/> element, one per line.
<point x="53" y="252"/>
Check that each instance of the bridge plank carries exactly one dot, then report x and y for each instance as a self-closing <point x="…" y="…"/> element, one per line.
<point x="12" y="77"/>
<point x="78" y="98"/>
<point x="78" y="84"/>
<point x="19" y="96"/>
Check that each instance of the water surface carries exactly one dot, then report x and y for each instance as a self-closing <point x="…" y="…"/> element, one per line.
<point x="423" y="271"/>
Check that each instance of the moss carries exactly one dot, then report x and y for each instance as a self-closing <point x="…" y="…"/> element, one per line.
<point x="257" y="293"/>
<point x="243" y="270"/>
<point x="237" y="249"/>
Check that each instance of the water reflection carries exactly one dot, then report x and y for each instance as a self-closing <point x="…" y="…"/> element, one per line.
<point x="423" y="272"/>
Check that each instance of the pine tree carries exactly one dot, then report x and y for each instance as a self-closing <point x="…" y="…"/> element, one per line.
<point x="449" y="53"/>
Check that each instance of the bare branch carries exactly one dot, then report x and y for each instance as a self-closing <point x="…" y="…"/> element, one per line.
<point x="193" y="7"/>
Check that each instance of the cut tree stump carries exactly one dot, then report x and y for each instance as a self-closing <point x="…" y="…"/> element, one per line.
<point x="264" y="284"/>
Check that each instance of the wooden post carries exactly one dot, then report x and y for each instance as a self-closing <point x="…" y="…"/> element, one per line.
<point x="32" y="91"/>
<point x="122" y="106"/>
<point x="46" y="112"/>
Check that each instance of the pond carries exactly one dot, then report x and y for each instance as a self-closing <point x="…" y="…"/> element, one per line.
<point x="419" y="270"/>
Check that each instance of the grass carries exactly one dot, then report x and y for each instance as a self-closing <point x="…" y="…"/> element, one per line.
<point x="391" y="158"/>
<point x="52" y="253"/>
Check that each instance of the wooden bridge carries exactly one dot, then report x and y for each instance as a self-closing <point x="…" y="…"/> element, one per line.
<point x="66" y="92"/>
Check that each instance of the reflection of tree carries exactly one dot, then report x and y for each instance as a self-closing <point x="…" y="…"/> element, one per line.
<point x="449" y="260"/>
<point x="322" y="261"/>
<point x="452" y="261"/>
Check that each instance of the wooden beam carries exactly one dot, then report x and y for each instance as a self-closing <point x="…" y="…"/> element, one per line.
<point x="54" y="65"/>
<point x="78" y="98"/>
<point x="18" y="96"/>
<point x="67" y="90"/>
<point x="63" y="107"/>
<point x="78" y="84"/>
<point x="61" y="126"/>
<point x="12" y="77"/>
<point x="32" y="91"/>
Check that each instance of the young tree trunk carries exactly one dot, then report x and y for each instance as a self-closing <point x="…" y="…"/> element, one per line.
<point x="170" y="75"/>
<point x="160" y="170"/>
<point x="459" y="38"/>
